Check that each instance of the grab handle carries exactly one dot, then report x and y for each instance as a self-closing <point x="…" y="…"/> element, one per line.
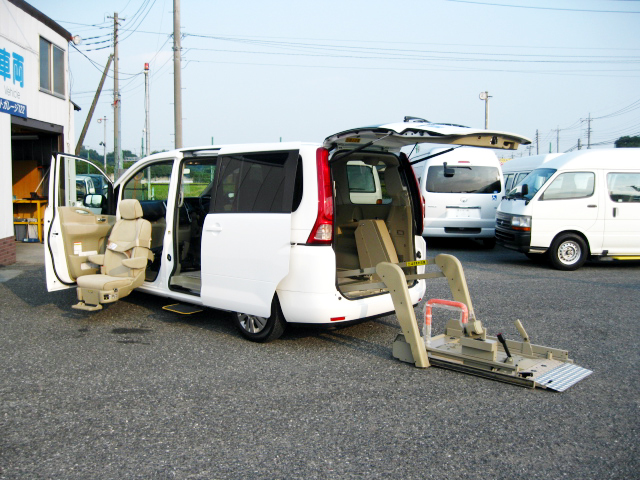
<point x="447" y="305"/>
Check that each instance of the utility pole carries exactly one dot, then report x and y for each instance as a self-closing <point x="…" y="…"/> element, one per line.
<point x="537" y="143"/>
<point x="146" y="110"/>
<point x="177" y="76"/>
<point x="93" y="107"/>
<point x="485" y="96"/>
<point x="589" y="131"/>
<point x="558" y="140"/>
<point x="579" y="144"/>
<point x="117" y="124"/>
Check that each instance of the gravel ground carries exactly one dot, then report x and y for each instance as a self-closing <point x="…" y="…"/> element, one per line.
<point x="134" y="391"/>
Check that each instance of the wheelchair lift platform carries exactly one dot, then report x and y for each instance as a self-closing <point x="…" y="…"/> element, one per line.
<point x="465" y="345"/>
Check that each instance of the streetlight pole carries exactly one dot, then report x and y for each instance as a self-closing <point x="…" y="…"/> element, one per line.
<point x="485" y="96"/>
<point x="104" y="143"/>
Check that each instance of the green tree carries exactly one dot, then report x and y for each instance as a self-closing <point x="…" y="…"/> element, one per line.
<point x="628" y="142"/>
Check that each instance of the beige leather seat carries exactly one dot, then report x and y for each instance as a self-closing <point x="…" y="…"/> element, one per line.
<point x="122" y="265"/>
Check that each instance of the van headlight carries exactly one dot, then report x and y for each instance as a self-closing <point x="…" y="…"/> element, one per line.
<point x="521" y="222"/>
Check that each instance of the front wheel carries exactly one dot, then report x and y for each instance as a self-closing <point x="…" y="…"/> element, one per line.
<point x="261" y="329"/>
<point x="568" y="252"/>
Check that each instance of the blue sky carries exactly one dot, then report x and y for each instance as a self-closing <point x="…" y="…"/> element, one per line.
<point x="256" y="71"/>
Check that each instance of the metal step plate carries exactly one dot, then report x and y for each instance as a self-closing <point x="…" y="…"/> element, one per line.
<point x="561" y="378"/>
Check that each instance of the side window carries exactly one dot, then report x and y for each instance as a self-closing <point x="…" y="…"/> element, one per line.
<point x="508" y="181"/>
<point x="364" y="183"/>
<point x="570" y="185"/>
<point x="151" y="187"/>
<point x="255" y="183"/>
<point x="624" y="187"/>
<point x="521" y="176"/>
<point x="150" y="183"/>
<point x="79" y="178"/>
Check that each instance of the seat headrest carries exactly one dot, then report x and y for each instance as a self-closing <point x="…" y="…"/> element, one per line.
<point x="130" y="209"/>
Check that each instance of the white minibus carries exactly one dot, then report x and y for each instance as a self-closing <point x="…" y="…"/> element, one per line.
<point x="462" y="189"/>
<point x="516" y="169"/>
<point x="579" y="205"/>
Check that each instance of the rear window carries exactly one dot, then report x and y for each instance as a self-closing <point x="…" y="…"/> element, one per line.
<point x="464" y="180"/>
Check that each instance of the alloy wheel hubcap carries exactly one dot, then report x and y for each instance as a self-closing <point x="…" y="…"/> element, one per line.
<point x="252" y="323"/>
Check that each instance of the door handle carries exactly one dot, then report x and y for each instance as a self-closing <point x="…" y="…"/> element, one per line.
<point x="592" y="206"/>
<point x="101" y="220"/>
<point x="214" y="228"/>
<point x="615" y="212"/>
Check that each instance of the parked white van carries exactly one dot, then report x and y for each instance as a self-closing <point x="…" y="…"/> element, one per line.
<point x="578" y="205"/>
<point x="462" y="188"/>
<point x="264" y="230"/>
<point x="516" y="169"/>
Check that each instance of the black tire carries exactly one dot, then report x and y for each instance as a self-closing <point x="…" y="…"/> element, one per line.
<point x="260" y="329"/>
<point x="568" y="252"/>
<point x="489" y="243"/>
<point x="536" y="257"/>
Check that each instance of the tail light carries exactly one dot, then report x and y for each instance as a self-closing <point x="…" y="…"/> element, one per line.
<point x="322" y="232"/>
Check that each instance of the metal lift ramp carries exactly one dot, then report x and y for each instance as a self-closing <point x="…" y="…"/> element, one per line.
<point x="465" y="345"/>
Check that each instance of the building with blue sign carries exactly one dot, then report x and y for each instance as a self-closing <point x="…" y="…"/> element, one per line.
<point x="36" y="118"/>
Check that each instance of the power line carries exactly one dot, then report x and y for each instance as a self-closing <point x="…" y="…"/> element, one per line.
<point x="542" y="8"/>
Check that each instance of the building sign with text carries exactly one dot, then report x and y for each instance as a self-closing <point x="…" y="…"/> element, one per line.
<point x="12" y="73"/>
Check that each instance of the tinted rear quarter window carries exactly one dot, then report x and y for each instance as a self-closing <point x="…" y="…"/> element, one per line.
<point x="255" y="183"/>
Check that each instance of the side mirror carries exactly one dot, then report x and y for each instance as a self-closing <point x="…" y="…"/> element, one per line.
<point x="93" y="201"/>
<point x="448" y="171"/>
<point x="519" y="191"/>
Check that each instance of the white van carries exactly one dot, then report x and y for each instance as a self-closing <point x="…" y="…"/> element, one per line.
<point x="462" y="189"/>
<point x="264" y="230"/>
<point x="516" y="169"/>
<point x="577" y="205"/>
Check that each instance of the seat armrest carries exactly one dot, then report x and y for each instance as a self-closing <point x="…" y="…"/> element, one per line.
<point x="97" y="259"/>
<point x="136" y="262"/>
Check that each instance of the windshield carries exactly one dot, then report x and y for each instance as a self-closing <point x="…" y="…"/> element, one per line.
<point x="534" y="181"/>
<point x="464" y="180"/>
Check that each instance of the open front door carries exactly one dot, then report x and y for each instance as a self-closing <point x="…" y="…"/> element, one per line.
<point x="246" y="239"/>
<point x="77" y="220"/>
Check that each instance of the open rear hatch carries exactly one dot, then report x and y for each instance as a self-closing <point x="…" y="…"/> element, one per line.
<point x="394" y="136"/>
<point x="369" y="232"/>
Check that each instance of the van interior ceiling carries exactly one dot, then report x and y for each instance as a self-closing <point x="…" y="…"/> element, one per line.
<point x="370" y="232"/>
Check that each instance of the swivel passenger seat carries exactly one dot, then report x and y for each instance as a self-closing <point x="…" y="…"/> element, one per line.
<point x="123" y="264"/>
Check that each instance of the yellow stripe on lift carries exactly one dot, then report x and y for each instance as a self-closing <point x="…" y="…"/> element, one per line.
<point x="416" y="263"/>
<point x="637" y="257"/>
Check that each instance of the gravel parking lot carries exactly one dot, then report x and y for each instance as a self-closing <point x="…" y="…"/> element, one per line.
<point x="134" y="391"/>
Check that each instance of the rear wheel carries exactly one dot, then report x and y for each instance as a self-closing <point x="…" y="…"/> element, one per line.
<point x="261" y="329"/>
<point x="568" y="252"/>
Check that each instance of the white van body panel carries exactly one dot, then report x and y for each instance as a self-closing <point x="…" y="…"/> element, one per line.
<point x="611" y="226"/>
<point x="460" y="214"/>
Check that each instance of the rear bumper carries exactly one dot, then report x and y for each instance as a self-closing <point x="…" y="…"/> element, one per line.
<point x="332" y="309"/>
<point x="459" y="231"/>
<point x="459" y="227"/>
